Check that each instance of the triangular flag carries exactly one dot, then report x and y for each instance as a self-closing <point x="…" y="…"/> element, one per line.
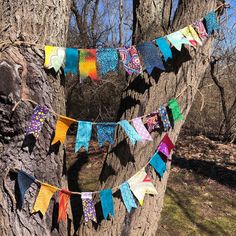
<point x="151" y="56"/>
<point x="175" y="110"/>
<point x="141" y="184"/>
<point x="107" y="59"/>
<point x="106" y="132"/>
<point x="24" y="181"/>
<point x="190" y="33"/>
<point x="164" y="118"/>
<point x="107" y="202"/>
<point x="177" y="39"/>
<point x="64" y="198"/>
<point x="164" y="48"/>
<point x="88" y="207"/>
<point x="54" y="57"/>
<point x="211" y="22"/>
<point x="166" y="146"/>
<point x="201" y="30"/>
<point x="44" y="196"/>
<point x="72" y="61"/>
<point x="37" y="120"/>
<point x="141" y="130"/>
<point x="84" y="132"/>
<point x="158" y="164"/>
<point x="127" y="196"/>
<point x="63" y="124"/>
<point x="130" y="131"/>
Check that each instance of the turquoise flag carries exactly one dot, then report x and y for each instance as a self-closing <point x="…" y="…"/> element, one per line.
<point x="107" y="202"/>
<point x="211" y="22"/>
<point x="106" y="132"/>
<point x="164" y="48"/>
<point x="158" y="164"/>
<point x="72" y="61"/>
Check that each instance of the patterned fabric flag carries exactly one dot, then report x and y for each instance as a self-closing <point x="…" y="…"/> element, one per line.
<point x="211" y="22"/>
<point x="64" y="198"/>
<point x="106" y="132"/>
<point x="164" y="48"/>
<point x="141" y="130"/>
<point x="200" y="28"/>
<point x="24" y="181"/>
<point x="175" y="110"/>
<point x="151" y="56"/>
<point x="177" y="39"/>
<point x="158" y="164"/>
<point x="127" y="196"/>
<point x="87" y="64"/>
<point x="131" y="60"/>
<point x="88" y="207"/>
<point x="190" y="33"/>
<point x="37" y="120"/>
<point x="44" y="196"/>
<point x="130" y="131"/>
<point x="84" y="132"/>
<point x="164" y="118"/>
<point x="141" y="184"/>
<point x="107" y="202"/>
<point x="63" y="124"/>
<point x="166" y="146"/>
<point x="107" y="60"/>
<point x="152" y="122"/>
<point x="72" y="61"/>
<point x="54" y="57"/>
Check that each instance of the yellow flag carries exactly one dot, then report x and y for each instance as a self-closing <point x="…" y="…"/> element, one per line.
<point x="45" y="194"/>
<point x="63" y="124"/>
<point x="190" y="33"/>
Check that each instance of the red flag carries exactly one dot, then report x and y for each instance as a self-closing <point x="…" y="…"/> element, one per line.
<point x="64" y="197"/>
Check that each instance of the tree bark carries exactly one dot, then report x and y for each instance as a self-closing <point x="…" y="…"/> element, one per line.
<point x="22" y="76"/>
<point x="142" y="96"/>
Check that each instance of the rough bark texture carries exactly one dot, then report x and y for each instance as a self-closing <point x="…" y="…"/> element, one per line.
<point x="142" y="96"/>
<point x="22" y="76"/>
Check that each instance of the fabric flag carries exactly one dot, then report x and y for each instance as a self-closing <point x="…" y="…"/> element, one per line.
<point x="63" y="124"/>
<point x="158" y="164"/>
<point x="130" y="131"/>
<point x="151" y="56"/>
<point x="106" y="132"/>
<point x="131" y="60"/>
<point x="84" y="132"/>
<point x="127" y="196"/>
<point x="87" y="64"/>
<point x="164" y="48"/>
<point x="164" y="118"/>
<point x="200" y="28"/>
<point x="177" y="39"/>
<point x="141" y="184"/>
<point x="54" y="57"/>
<point x="190" y="33"/>
<point x="37" y="120"/>
<point x="44" y="196"/>
<point x="141" y="130"/>
<point x="152" y="122"/>
<point x="107" y="60"/>
<point x="175" y="110"/>
<point x="24" y="181"/>
<point x="166" y="146"/>
<point x="64" y="198"/>
<point x="72" y="61"/>
<point x="211" y="22"/>
<point x="107" y="202"/>
<point x="88" y="207"/>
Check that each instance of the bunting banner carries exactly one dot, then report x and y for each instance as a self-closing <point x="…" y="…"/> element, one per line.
<point x="62" y="126"/>
<point x="158" y="164"/>
<point x="175" y="110"/>
<point x="152" y="122"/>
<point x="211" y="22"/>
<point x="201" y="30"/>
<point x="166" y="146"/>
<point x="88" y="207"/>
<point x="164" y="48"/>
<point x="72" y="61"/>
<point x="107" y="203"/>
<point x="64" y="198"/>
<point x="164" y="118"/>
<point x="192" y="36"/>
<point x="105" y="132"/>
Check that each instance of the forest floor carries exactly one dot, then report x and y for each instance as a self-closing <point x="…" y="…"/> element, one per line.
<point x="201" y="190"/>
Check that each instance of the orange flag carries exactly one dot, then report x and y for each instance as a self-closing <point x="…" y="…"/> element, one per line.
<point x="64" y="197"/>
<point x="45" y="194"/>
<point x="63" y="124"/>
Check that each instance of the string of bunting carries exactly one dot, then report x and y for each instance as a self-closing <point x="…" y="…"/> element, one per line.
<point x="132" y="190"/>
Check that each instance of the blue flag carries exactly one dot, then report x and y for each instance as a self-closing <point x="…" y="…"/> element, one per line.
<point x="83" y="136"/>
<point x="164" y="48"/>
<point x="72" y="61"/>
<point x="106" y="132"/>
<point x="158" y="164"/>
<point x="211" y="22"/>
<point x="107" y="202"/>
<point x="127" y="196"/>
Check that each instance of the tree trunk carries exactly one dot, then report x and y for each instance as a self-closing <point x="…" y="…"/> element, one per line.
<point x="142" y="96"/>
<point x="22" y="76"/>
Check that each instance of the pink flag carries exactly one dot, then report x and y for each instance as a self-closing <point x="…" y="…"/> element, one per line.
<point x="141" y="130"/>
<point x="166" y="146"/>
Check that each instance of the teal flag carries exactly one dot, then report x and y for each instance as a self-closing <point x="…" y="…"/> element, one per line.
<point x="72" y="61"/>
<point x="164" y="48"/>
<point x="158" y="164"/>
<point x="107" y="203"/>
